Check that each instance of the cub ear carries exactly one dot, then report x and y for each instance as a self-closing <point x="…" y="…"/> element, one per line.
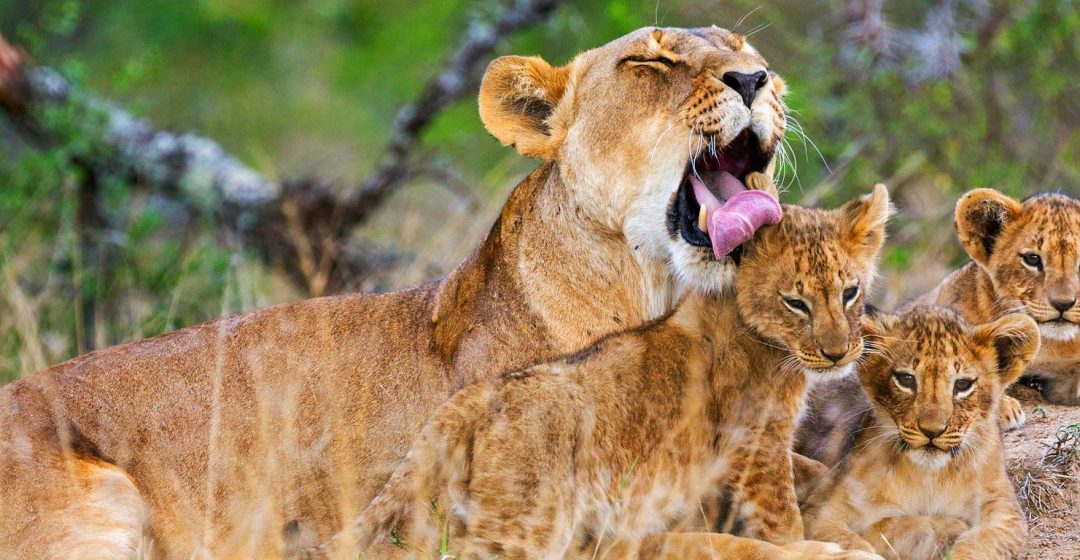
<point x="517" y="97"/>
<point x="981" y="215"/>
<point x="874" y="322"/>
<point x="1015" y="341"/>
<point x="865" y="219"/>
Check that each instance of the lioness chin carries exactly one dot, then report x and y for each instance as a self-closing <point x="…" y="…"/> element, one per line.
<point x="621" y="441"/>
<point x="250" y="435"/>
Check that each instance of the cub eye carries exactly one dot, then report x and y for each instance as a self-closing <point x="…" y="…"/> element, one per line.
<point x="1032" y="259"/>
<point x="962" y="385"/>
<point x="850" y="294"/>
<point x="905" y="380"/>
<point x="797" y="305"/>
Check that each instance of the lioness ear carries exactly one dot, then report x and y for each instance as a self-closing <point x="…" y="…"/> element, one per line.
<point x="517" y="98"/>
<point x="865" y="219"/>
<point x="1015" y="340"/>
<point x="981" y="215"/>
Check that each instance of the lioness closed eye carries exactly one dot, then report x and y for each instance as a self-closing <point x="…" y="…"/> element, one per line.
<point x="624" y="440"/>
<point x="1025" y="257"/>
<point x="924" y="472"/>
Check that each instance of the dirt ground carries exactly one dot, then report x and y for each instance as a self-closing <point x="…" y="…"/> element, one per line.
<point x="1055" y="533"/>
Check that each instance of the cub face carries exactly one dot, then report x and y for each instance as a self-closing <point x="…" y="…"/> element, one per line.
<point x="935" y="378"/>
<point x="1031" y="250"/>
<point x="802" y="282"/>
<point x="629" y="122"/>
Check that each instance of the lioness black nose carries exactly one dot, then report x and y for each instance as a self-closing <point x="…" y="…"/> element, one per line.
<point x="1063" y="305"/>
<point x="931" y="432"/>
<point x="746" y="85"/>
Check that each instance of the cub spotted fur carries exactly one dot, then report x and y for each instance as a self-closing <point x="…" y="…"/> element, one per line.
<point x="625" y="439"/>
<point x="924" y="470"/>
<point x="1025" y="256"/>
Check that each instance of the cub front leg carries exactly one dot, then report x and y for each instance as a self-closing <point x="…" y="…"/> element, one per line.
<point x="829" y="515"/>
<point x="914" y="537"/>
<point x="765" y="489"/>
<point x="808" y="475"/>
<point x="999" y="534"/>
<point x="769" y="506"/>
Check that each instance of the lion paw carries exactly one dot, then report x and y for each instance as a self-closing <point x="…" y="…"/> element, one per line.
<point x="761" y="182"/>
<point x="816" y="550"/>
<point x="1010" y="414"/>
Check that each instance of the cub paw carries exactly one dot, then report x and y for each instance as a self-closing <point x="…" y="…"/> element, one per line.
<point x="761" y="182"/>
<point x="1010" y="414"/>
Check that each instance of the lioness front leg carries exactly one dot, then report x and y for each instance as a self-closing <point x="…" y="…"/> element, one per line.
<point x="717" y="546"/>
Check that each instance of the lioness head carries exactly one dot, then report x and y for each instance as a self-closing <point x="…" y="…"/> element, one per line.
<point x="1031" y="250"/>
<point x="802" y="282"/>
<point x="934" y="377"/>
<point x="629" y="122"/>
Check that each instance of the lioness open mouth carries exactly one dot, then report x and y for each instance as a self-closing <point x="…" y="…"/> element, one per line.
<point x="710" y="180"/>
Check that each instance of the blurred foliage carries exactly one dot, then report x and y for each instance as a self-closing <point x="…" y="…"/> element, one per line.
<point x="310" y="87"/>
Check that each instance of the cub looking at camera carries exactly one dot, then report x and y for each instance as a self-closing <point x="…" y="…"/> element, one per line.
<point x="919" y="467"/>
<point x="1025" y="257"/>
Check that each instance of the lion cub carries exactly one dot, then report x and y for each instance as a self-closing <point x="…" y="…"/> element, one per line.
<point x="626" y="438"/>
<point x="1025" y="256"/>
<point x="924" y="472"/>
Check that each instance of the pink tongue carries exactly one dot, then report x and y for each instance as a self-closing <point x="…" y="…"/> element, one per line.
<point x="735" y="222"/>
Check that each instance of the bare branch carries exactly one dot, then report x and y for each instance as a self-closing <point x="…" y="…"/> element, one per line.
<point x="300" y="224"/>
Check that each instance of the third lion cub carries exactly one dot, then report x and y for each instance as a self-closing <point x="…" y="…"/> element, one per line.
<point x="924" y="470"/>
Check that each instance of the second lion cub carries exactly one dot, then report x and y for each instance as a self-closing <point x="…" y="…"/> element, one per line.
<point x="610" y="447"/>
<point x="920" y="472"/>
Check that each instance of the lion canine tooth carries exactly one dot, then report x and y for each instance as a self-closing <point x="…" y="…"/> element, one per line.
<point x="702" y="219"/>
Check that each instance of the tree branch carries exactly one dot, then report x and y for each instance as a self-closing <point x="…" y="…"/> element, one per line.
<point x="298" y="224"/>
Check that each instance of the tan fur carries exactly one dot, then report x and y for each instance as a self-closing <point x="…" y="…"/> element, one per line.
<point x="924" y="472"/>
<point x="628" y="437"/>
<point x="996" y="230"/>
<point x="245" y="436"/>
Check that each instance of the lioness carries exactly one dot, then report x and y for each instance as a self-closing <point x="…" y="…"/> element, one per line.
<point x="242" y="437"/>
<point x="921" y="470"/>
<point x="627" y="437"/>
<point x="1025" y="256"/>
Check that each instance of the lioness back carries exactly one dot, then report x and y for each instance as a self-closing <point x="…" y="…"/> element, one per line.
<point x="923" y="470"/>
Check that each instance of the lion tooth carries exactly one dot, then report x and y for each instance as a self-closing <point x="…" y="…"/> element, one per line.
<point x="702" y="219"/>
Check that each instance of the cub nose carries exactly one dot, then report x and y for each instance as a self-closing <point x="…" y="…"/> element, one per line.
<point x="834" y="355"/>
<point x="746" y="85"/>
<point x="1063" y="305"/>
<point x="931" y="431"/>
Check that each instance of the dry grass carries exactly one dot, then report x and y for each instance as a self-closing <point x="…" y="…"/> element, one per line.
<point x="1049" y="483"/>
